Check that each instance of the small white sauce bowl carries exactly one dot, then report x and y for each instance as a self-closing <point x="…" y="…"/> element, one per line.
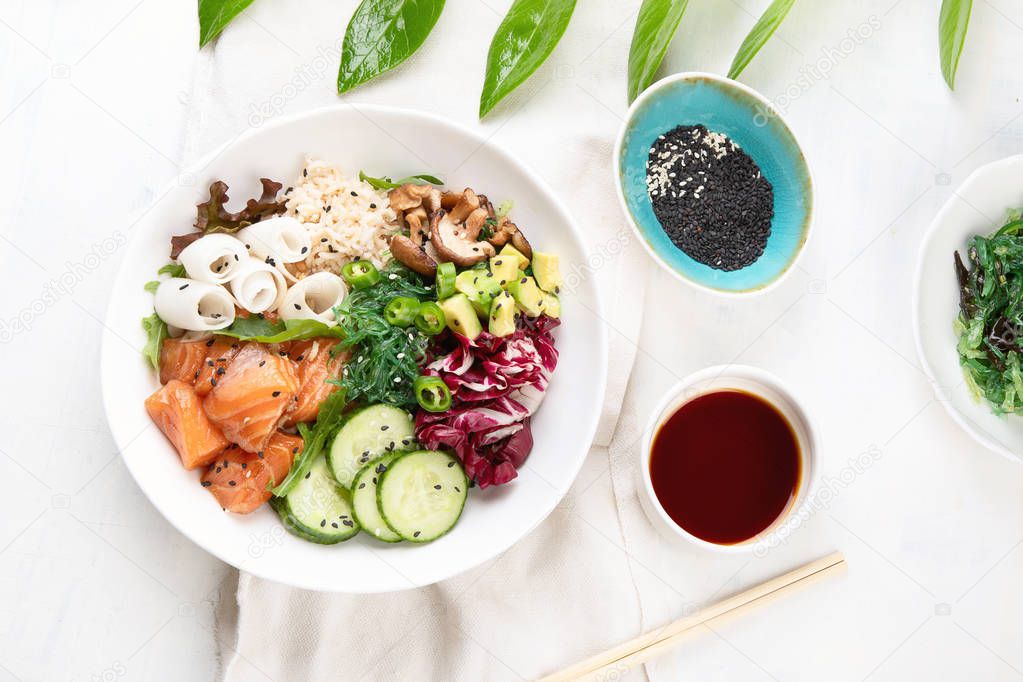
<point x="770" y="388"/>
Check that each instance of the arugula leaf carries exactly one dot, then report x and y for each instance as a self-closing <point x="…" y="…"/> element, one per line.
<point x="953" y="23"/>
<point x="173" y="269"/>
<point x="261" y="330"/>
<point x="156" y="331"/>
<point x="655" y="27"/>
<point x="329" y="420"/>
<point x="758" y="36"/>
<point x="381" y="35"/>
<point x="527" y="36"/>
<point x="385" y="182"/>
<point x="215" y="15"/>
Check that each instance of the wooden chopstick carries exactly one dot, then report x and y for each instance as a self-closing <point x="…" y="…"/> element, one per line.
<point x="656" y="642"/>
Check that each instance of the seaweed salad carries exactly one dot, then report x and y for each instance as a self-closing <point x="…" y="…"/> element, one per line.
<point x="991" y="315"/>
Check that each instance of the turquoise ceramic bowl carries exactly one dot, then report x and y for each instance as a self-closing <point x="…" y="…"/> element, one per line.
<point x="744" y="115"/>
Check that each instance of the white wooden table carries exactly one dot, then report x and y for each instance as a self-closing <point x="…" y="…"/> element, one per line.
<point x="94" y="584"/>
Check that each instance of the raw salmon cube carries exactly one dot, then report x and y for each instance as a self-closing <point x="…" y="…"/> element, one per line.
<point x="240" y="480"/>
<point x="177" y="410"/>
<point x="251" y="396"/>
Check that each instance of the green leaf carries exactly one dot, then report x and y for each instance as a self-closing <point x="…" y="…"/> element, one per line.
<point x="527" y="36"/>
<point x="172" y="269"/>
<point x="382" y="34"/>
<point x="386" y="183"/>
<point x="655" y="27"/>
<point x="952" y="26"/>
<point x="261" y="330"/>
<point x="215" y="15"/>
<point x="329" y="420"/>
<point x="151" y="286"/>
<point x="156" y="331"/>
<point x="758" y="36"/>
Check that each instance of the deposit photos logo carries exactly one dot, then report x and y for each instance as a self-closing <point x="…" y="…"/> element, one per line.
<point x="308" y="74"/>
<point x="827" y="491"/>
<point x="58" y="288"/>
<point x="814" y="72"/>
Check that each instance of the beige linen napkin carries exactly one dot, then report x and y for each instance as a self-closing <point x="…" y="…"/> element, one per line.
<point x="567" y="589"/>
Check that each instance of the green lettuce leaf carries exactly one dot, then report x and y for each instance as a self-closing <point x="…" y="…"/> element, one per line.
<point x="328" y="422"/>
<point x="156" y="331"/>
<point x="261" y="330"/>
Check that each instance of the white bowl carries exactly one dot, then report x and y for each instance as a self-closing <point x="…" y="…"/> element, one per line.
<point x="977" y="207"/>
<point x="757" y="382"/>
<point x="380" y="141"/>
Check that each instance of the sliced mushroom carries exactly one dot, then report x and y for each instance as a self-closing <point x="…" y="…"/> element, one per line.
<point x="418" y="222"/>
<point x="520" y="242"/>
<point x="474" y="223"/>
<point x="485" y="203"/>
<point x="414" y="204"/>
<point x="507" y="231"/>
<point x="409" y="196"/>
<point x="412" y="256"/>
<point x="453" y="243"/>
<point x="467" y="203"/>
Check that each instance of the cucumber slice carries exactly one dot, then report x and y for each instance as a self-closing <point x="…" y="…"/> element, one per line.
<point x="369" y="433"/>
<point x="364" y="499"/>
<point x="317" y="509"/>
<point x="421" y="494"/>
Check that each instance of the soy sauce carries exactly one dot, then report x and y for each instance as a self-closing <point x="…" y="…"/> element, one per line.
<point x="725" y="465"/>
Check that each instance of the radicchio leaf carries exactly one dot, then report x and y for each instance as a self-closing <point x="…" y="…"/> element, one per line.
<point x="496" y="384"/>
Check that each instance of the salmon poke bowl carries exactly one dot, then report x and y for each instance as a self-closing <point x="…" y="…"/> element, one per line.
<point x="359" y="367"/>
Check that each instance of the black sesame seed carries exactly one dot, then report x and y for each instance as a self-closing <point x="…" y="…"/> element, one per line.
<point x="384" y="427"/>
<point x="348" y="523"/>
<point x="333" y="524"/>
<point x="298" y="307"/>
<point x="231" y="483"/>
<point x="294" y="450"/>
<point x="206" y="484"/>
<point x="372" y="205"/>
<point x="308" y="474"/>
<point x="275" y="394"/>
<point x="451" y="464"/>
<point x="183" y="286"/>
<point x="361" y="486"/>
<point x="323" y="523"/>
<point x="437" y="487"/>
<point x="262" y="362"/>
<point x="305" y="173"/>
<point x="416" y="534"/>
<point x="209" y="343"/>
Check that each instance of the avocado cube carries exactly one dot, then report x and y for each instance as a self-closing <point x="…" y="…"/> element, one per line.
<point x="502" y="315"/>
<point x="527" y="295"/>
<point x="546" y="272"/>
<point x="479" y="287"/>
<point x="551" y="305"/>
<point x="511" y="251"/>
<point x="461" y="316"/>
<point x="505" y="268"/>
